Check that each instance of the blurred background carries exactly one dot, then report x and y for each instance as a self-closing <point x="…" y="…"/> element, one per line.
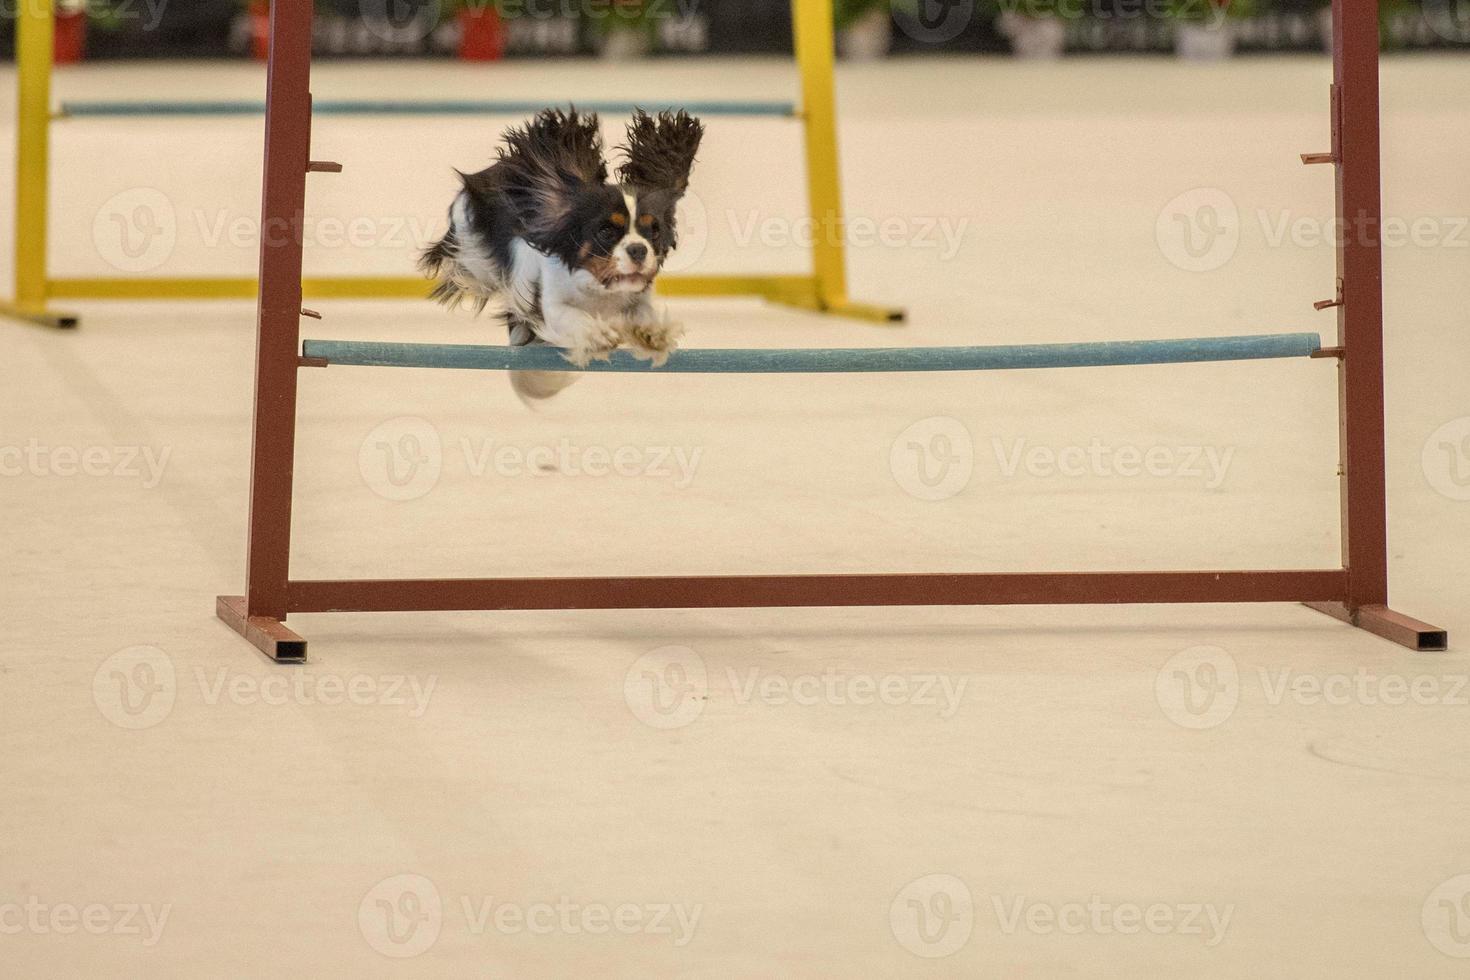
<point x="868" y="29"/>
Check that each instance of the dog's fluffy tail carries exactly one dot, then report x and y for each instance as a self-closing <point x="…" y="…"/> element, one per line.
<point x="452" y="285"/>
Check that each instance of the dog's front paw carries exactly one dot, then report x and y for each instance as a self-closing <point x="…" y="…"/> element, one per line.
<point x="601" y="338"/>
<point x="656" y="338"/>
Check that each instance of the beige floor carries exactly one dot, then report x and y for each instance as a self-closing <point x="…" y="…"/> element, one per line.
<point x="975" y="792"/>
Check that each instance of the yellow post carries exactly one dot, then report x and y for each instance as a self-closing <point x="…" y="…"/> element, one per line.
<point x="33" y="62"/>
<point x="816" y="59"/>
<point x="814" y="56"/>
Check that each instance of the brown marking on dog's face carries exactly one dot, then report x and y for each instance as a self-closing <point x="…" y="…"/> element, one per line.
<point x="602" y="267"/>
<point x="598" y="237"/>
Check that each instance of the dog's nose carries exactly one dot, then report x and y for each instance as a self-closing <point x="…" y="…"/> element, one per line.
<point x="638" y="252"/>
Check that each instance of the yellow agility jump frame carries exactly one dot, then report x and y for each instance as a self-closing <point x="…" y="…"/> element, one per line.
<point x="824" y="290"/>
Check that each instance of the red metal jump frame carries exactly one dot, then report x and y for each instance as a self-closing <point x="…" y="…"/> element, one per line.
<point x="1356" y="593"/>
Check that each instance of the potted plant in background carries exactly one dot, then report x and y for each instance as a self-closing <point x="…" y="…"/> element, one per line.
<point x="481" y="30"/>
<point x="258" y="22"/>
<point x="864" y="28"/>
<point x="1204" y="30"/>
<point x="70" y="39"/>
<point x="1387" y="11"/>
<point x="1035" y="28"/>
<point x="628" y="28"/>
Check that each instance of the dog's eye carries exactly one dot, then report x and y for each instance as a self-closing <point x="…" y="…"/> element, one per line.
<point x="609" y="234"/>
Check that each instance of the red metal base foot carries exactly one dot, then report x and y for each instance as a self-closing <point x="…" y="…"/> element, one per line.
<point x="1383" y="621"/>
<point x="269" y="635"/>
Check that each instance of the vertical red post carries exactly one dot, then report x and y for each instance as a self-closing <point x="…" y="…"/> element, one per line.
<point x="287" y="155"/>
<point x="1360" y="317"/>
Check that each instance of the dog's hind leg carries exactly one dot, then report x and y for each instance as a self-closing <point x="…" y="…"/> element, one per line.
<point x="534" y="386"/>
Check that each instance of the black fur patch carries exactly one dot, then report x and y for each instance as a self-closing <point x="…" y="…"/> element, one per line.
<point x="547" y="166"/>
<point x="660" y="151"/>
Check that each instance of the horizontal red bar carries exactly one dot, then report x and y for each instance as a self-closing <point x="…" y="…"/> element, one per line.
<point x="734" y="591"/>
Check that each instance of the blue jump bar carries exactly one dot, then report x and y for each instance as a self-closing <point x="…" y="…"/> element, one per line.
<point x="824" y="361"/>
<point x="356" y="107"/>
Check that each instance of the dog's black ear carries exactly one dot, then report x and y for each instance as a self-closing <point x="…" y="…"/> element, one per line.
<point x="660" y="151"/>
<point x="547" y="165"/>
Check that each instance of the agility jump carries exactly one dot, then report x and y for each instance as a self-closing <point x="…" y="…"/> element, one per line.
<point x="1356" y="592"/>
<point x="823" y="290"/>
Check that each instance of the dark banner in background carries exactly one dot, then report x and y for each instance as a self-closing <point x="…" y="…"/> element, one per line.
<point x="112" y="29"/>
